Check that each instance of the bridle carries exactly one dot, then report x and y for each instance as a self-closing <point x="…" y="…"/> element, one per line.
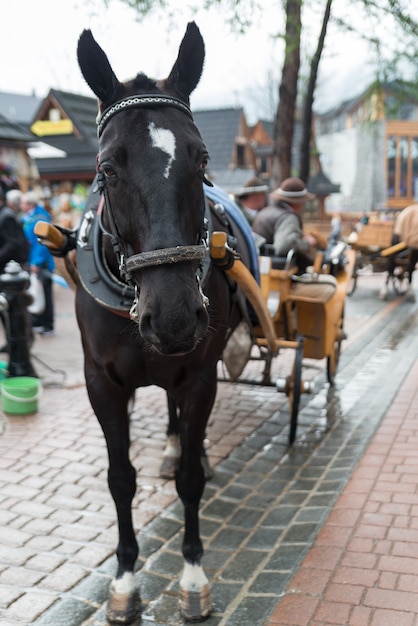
<point x="178" y="254"/>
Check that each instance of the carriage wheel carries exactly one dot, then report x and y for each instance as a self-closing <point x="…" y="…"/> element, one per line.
<point x="400" y="280"/>
<point x="295" y="389"/>
<point x="334" y="357"/>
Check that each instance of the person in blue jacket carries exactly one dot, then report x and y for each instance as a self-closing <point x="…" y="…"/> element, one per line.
<point x="41" y="261"/>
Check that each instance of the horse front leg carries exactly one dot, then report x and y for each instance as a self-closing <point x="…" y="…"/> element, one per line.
<point x="172" y="450"/>
<point x="124" y="599"/>
<point x="195" y="598"/>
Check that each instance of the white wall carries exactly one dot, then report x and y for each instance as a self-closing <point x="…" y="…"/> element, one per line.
<point x="338" y="159"/>
<point x="355" y="159"/>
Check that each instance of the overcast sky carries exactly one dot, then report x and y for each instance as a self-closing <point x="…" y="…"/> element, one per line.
<point x="39" y="40"/>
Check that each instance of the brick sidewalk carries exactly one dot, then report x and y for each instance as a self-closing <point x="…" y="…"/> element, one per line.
<point x="362" y="569"/>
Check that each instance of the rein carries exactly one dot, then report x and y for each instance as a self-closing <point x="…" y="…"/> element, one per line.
<point x="153" y="257"/>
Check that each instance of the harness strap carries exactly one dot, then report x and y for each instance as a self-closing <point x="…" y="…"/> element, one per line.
<point x="165" y="255"/>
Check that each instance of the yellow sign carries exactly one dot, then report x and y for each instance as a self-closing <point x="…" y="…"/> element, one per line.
<point x="42" y="128"/>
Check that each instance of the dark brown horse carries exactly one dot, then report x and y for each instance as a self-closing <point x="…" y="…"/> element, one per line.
<point x="154" y="229"/>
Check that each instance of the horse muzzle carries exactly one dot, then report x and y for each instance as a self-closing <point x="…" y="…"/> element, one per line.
<point x="175" y="323"/>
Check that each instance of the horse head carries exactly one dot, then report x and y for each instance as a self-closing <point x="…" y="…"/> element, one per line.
<point x="151" y="168"/>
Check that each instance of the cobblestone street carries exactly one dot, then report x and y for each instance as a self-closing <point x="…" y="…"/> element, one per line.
<point x="261" y="513"/>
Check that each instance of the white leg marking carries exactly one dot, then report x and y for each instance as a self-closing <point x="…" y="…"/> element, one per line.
<point x="193" y="578"/>
<point x="173" y="447"/>
<point x="166" y="141"/>
<point x="124" y="585"/>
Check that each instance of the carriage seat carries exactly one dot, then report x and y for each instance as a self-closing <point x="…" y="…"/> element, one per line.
<point x="277" y="262"/>
<point x="313" y="287"/>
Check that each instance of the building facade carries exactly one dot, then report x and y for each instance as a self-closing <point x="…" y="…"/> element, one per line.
<point x="369" y="145"/>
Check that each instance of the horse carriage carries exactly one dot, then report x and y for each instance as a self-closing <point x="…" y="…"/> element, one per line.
<point x="164" y="277"/>
<point x="375" y="253"/>
<point x="302" y="313"/>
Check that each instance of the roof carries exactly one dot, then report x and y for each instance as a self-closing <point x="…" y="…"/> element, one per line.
<point x="268" y="127"/>
<point x="13" y="132"/>
<point x="19" y="108"/>
<point x="80" y="148"/>
<point x="219" y="129"/>
<point x="82" y="110"/>
<point x="232" y="180"/>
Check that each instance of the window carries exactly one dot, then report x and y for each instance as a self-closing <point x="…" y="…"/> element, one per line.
<point x="240" y="156"/>
<point x="391" y="161"/>
<point x="401" y="163"/>
<point x="403" y="167"/>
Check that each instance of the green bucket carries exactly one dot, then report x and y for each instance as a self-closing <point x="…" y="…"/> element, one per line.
<point x="20" y="395"/>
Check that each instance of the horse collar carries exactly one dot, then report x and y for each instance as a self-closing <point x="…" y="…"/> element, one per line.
<point x="144" y="100"/>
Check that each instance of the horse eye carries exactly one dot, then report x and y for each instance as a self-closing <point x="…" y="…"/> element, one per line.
<point x="204" y="163"/>
<point x="107" y="170"/>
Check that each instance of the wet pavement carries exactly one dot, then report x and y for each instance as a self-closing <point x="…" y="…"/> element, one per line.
<point x="262" y="512"/>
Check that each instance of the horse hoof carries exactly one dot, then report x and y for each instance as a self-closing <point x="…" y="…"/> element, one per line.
<point x="195" y="606"/>
<point x="168" y="467"/>
<point x="123" y="608"/>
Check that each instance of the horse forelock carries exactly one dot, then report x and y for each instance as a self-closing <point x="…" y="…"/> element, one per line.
<point x="141" y="82"/>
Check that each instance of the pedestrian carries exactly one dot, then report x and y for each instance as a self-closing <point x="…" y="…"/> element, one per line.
<point x="65" y="216"/>
<point x="13" y="246"/>
<point x="41" y="261"/>
<point x="281" y="225"/>
<point x="252" y="197"/>
<point x="13" y="201"/>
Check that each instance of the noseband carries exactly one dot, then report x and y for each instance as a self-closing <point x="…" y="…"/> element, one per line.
<point x="162" y="256"/>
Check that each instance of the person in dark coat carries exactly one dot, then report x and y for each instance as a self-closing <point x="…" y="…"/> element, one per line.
<point x="13" y="246"/>
<point x="281" y="225"/>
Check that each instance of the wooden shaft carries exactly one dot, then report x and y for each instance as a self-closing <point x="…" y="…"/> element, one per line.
<point x="398" y="247"/>
<point x="218" y="242"/>
<point x="50" y="236"/>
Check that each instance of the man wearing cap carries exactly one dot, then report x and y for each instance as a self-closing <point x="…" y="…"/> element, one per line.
<point x="281" y="225"/>
<point x="252" y="197"/>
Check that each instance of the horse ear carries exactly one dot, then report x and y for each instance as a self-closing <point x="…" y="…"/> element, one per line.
<point x="96" y="69"/>
<point x="187" y="69"/>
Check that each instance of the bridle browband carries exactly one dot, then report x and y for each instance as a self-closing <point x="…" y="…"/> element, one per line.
<point x="140" y="101"/>
<point x="153" y="257"/>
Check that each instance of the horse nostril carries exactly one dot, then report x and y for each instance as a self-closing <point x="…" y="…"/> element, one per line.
<point x="146" y="330"/>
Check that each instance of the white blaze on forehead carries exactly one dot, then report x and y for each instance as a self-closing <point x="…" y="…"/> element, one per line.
<point x="164" y="140"/>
